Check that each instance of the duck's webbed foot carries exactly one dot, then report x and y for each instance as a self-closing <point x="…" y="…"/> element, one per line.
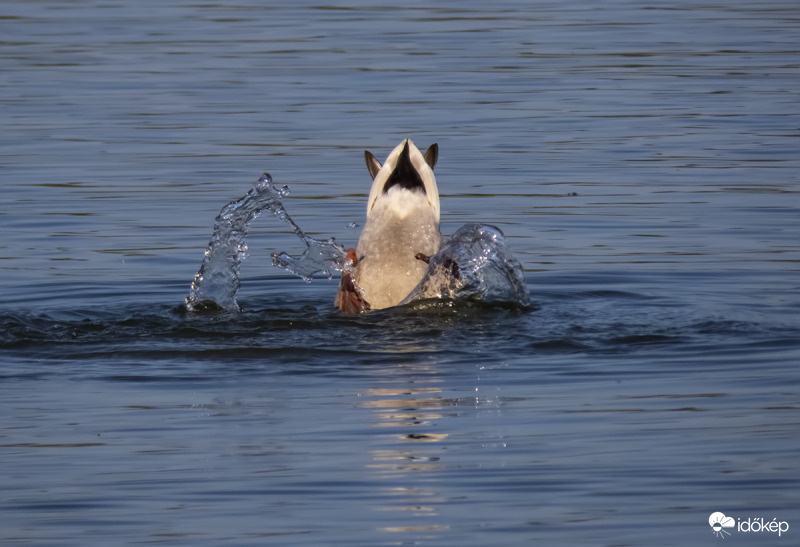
<point x="448" y="264"/>
<point x="349" y="299"/>
<point x="452" y="265"/>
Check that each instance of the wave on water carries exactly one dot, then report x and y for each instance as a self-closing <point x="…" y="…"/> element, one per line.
<point x="309" y="336"/>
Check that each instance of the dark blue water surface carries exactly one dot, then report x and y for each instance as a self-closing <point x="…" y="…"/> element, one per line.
<point x="643" y="160"/>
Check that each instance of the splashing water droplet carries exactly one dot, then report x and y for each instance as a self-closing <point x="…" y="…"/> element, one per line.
<point x="474" y="264"/>
<point x="217" y="283"/>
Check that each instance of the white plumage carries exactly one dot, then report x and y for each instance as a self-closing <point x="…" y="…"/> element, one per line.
<point x="402" y="222"/>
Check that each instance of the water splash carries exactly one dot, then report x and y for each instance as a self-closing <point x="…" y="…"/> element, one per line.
<point x="216" y="284"/>
<point x="474" y="264"/>
<point x="319" y="256"/>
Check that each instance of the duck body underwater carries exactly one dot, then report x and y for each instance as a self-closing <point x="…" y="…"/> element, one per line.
<point x="401" y="231"/>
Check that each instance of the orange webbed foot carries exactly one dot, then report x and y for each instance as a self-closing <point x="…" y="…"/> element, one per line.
<point x="349" y="299"/>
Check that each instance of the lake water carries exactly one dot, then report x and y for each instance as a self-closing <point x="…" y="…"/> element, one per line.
<point x="643" y="160"/>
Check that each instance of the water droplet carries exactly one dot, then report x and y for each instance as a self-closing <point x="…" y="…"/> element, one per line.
<point x="265" y="179"/>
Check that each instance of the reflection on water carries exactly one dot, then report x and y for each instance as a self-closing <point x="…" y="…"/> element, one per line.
<point x="415" y="451"/>
<point x="415" y="409"/>
<point x="407" y="415"/>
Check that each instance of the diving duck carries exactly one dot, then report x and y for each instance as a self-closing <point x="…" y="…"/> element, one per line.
<point x="401" y="232"/>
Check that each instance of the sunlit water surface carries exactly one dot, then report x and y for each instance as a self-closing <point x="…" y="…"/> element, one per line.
<point x="641" y="159"/>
